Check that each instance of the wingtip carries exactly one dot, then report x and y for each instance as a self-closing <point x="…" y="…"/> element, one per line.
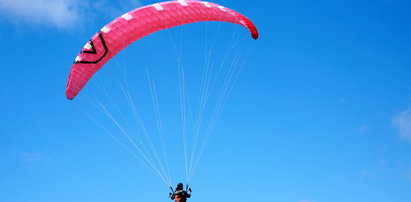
<point x="69" y="95"/>
<point x="255" y="36"/>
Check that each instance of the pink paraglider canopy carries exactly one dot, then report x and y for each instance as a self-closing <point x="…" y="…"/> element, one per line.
<point x="141" y="22"/>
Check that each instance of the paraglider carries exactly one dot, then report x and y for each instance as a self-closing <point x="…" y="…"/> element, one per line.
<point x="134" y="25"/>
<point x="141" y="22"/>
<point x="180" y="195"/>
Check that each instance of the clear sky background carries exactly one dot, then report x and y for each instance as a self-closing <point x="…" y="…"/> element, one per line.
<point x="321" y="111"/>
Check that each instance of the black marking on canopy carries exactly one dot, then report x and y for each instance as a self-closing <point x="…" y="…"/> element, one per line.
<point x="94" y="51"/>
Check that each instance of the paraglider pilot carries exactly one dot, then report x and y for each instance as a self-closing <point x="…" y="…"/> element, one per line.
<point x="180" y="195"/>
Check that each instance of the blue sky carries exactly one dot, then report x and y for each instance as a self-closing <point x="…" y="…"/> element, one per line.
<point x="320" y="111"/>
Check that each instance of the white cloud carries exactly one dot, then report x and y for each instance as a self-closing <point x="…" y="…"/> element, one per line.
<point x="114" y="8"/>
<point x="363" y="129"/>
<point x="32" y="157"/>
<point x="402" y="121"/>
<point x="408" y="175"/>
<point x="130" y="3"/>
<point x="367" y="174"/>
<point x="60" y="13"/>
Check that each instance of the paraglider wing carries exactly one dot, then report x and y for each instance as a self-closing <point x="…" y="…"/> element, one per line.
<point x="141" y="22"/>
